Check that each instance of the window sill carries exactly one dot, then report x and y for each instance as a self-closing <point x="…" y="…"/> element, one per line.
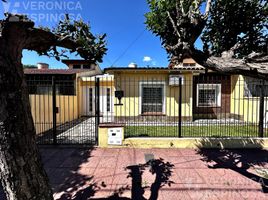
<point x="208" y="106"/>
<point x="153" y="114"/>
<point x="255" y="98"/>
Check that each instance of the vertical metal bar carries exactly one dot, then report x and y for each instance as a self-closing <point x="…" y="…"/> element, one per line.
<point x="54" y="108"/>
<point x="180" y="104"/>
<point x="97" y="107"/>
<point x="261" y="112"/>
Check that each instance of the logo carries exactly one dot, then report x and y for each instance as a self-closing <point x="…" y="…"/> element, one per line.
<point x="45" y="11"/>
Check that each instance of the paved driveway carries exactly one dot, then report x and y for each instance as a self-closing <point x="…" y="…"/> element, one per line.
<point x="82" y="131"/>
<point x="78" y="131"/>
<point x="172" y="174"/>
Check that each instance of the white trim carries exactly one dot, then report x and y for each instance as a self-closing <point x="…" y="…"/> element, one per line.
<point x="103" y="77"/>
<point x="148" y="83"/>
<point x="209" y="86"/>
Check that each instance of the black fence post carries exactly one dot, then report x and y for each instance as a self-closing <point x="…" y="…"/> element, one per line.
<point x="54" y="111"/>
<point x="261" y="112"/>
<point x="97" y="107"/>
<point x="180" y="102"/>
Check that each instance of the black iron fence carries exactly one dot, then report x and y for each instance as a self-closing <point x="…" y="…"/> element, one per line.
<point x="56" y="112"/>
<point x="68" y="110"/>
<point x="186" y="105"/>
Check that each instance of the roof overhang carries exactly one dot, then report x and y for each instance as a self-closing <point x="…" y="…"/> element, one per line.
<point x="151" y="70"/>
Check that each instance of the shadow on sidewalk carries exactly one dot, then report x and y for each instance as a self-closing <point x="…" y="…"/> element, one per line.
<point x="63" y="165"/>
<point x="238" y="160"/>
<point x="162" y="170"/>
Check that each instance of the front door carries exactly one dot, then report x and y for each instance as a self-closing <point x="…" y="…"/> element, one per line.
<point x="106" y="102"/>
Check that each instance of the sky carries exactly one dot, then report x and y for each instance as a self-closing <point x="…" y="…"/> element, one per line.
<point x="122" y="20"/>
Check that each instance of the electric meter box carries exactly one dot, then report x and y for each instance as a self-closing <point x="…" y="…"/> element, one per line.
<point x="115" y="136"/>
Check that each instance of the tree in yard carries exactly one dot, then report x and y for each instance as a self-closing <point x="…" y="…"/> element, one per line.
<point x="233" y="22"/>
<point x="234" y="33"/>
<point x="21" y="171"/>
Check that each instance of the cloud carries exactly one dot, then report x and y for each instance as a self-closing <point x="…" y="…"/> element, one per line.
<point x="147" y="59"/>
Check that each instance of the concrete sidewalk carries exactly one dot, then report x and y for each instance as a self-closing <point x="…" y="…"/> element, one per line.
<point x="79" y="173"/>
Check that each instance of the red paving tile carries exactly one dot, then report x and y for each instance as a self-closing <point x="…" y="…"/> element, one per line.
<point x="108" y="162"/>
<point x="189" y="176"/>
<point x="252" y="194"/>
<point x="147" y="177"/>
<point x="175" y="194"/>
<point x="203" y="195"/>
<point x="97" y="152"/>
<point x="195" y="162"/>
<point x="179" y="162"/>
<point x="77" y="173"/>
<point x="86" y="171"/>
<point x="104" y="176"/>
<point x="122" y="179"/>
<point x="91" y="162"/>
<point x="111" y="152"/>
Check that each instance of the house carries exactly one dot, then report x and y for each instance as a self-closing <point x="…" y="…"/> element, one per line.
<point x="143" y="98"/>
<point x="71" y="87"/>
<point x="154" y="91"/>
<point x="152" y="94"/>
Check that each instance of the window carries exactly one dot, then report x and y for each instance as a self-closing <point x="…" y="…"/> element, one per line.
<point x="86" y="66"/>
<point x="40" y="89"/>
<point x="108" y="107"/>
<point x="90" y="99"/>
<point x="76" y="66"/>
<point x="152" y="98"/>
<point x="252" y="87"/>
<point x="189" y="64"/>
<point x="208" y="95"/>
<point x="42" y="85"/>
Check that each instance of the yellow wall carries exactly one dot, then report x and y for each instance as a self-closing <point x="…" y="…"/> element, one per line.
<point x="70" y="107"/>
<point x="194" y="143"/>
<point x="41" y="106"/>
<point x="247" y="107"/>
<point x="129" y="83"/>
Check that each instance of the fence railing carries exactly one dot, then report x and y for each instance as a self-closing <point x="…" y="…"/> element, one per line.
<point x="149" y="105"/>
<point x="209" y="105"/>
<point x="55" y="106"/>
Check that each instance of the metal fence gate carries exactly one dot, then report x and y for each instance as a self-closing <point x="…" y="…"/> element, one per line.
<point x="66" y="111"/>
<point x="55" y="106"/>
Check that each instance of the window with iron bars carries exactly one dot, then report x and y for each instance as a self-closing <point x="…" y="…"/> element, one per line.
<point x="252" y="87"/>
<point x="42" y="85"/>
<point x="208" y="95"/>
<point x="152" y="98"/>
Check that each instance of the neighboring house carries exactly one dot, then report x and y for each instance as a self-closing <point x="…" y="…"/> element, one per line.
<point x="72" y="92"/>
<point x="245" y="97"/>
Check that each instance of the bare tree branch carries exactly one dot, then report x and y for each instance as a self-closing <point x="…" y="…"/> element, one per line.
<point x="173" y="24"/>
<point x="230" y="53"/>
<point x="208" y="6"/>
<point x="177" y="8"/>
<point x="172" y="48"/>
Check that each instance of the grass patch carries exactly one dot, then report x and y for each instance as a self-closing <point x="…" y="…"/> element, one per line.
<point x="192" y="131"/>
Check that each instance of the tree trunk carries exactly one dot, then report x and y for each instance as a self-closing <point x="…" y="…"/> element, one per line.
<point x="22" y="174"/>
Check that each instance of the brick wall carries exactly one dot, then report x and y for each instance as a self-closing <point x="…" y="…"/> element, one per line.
<point x="213" y="112"/>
